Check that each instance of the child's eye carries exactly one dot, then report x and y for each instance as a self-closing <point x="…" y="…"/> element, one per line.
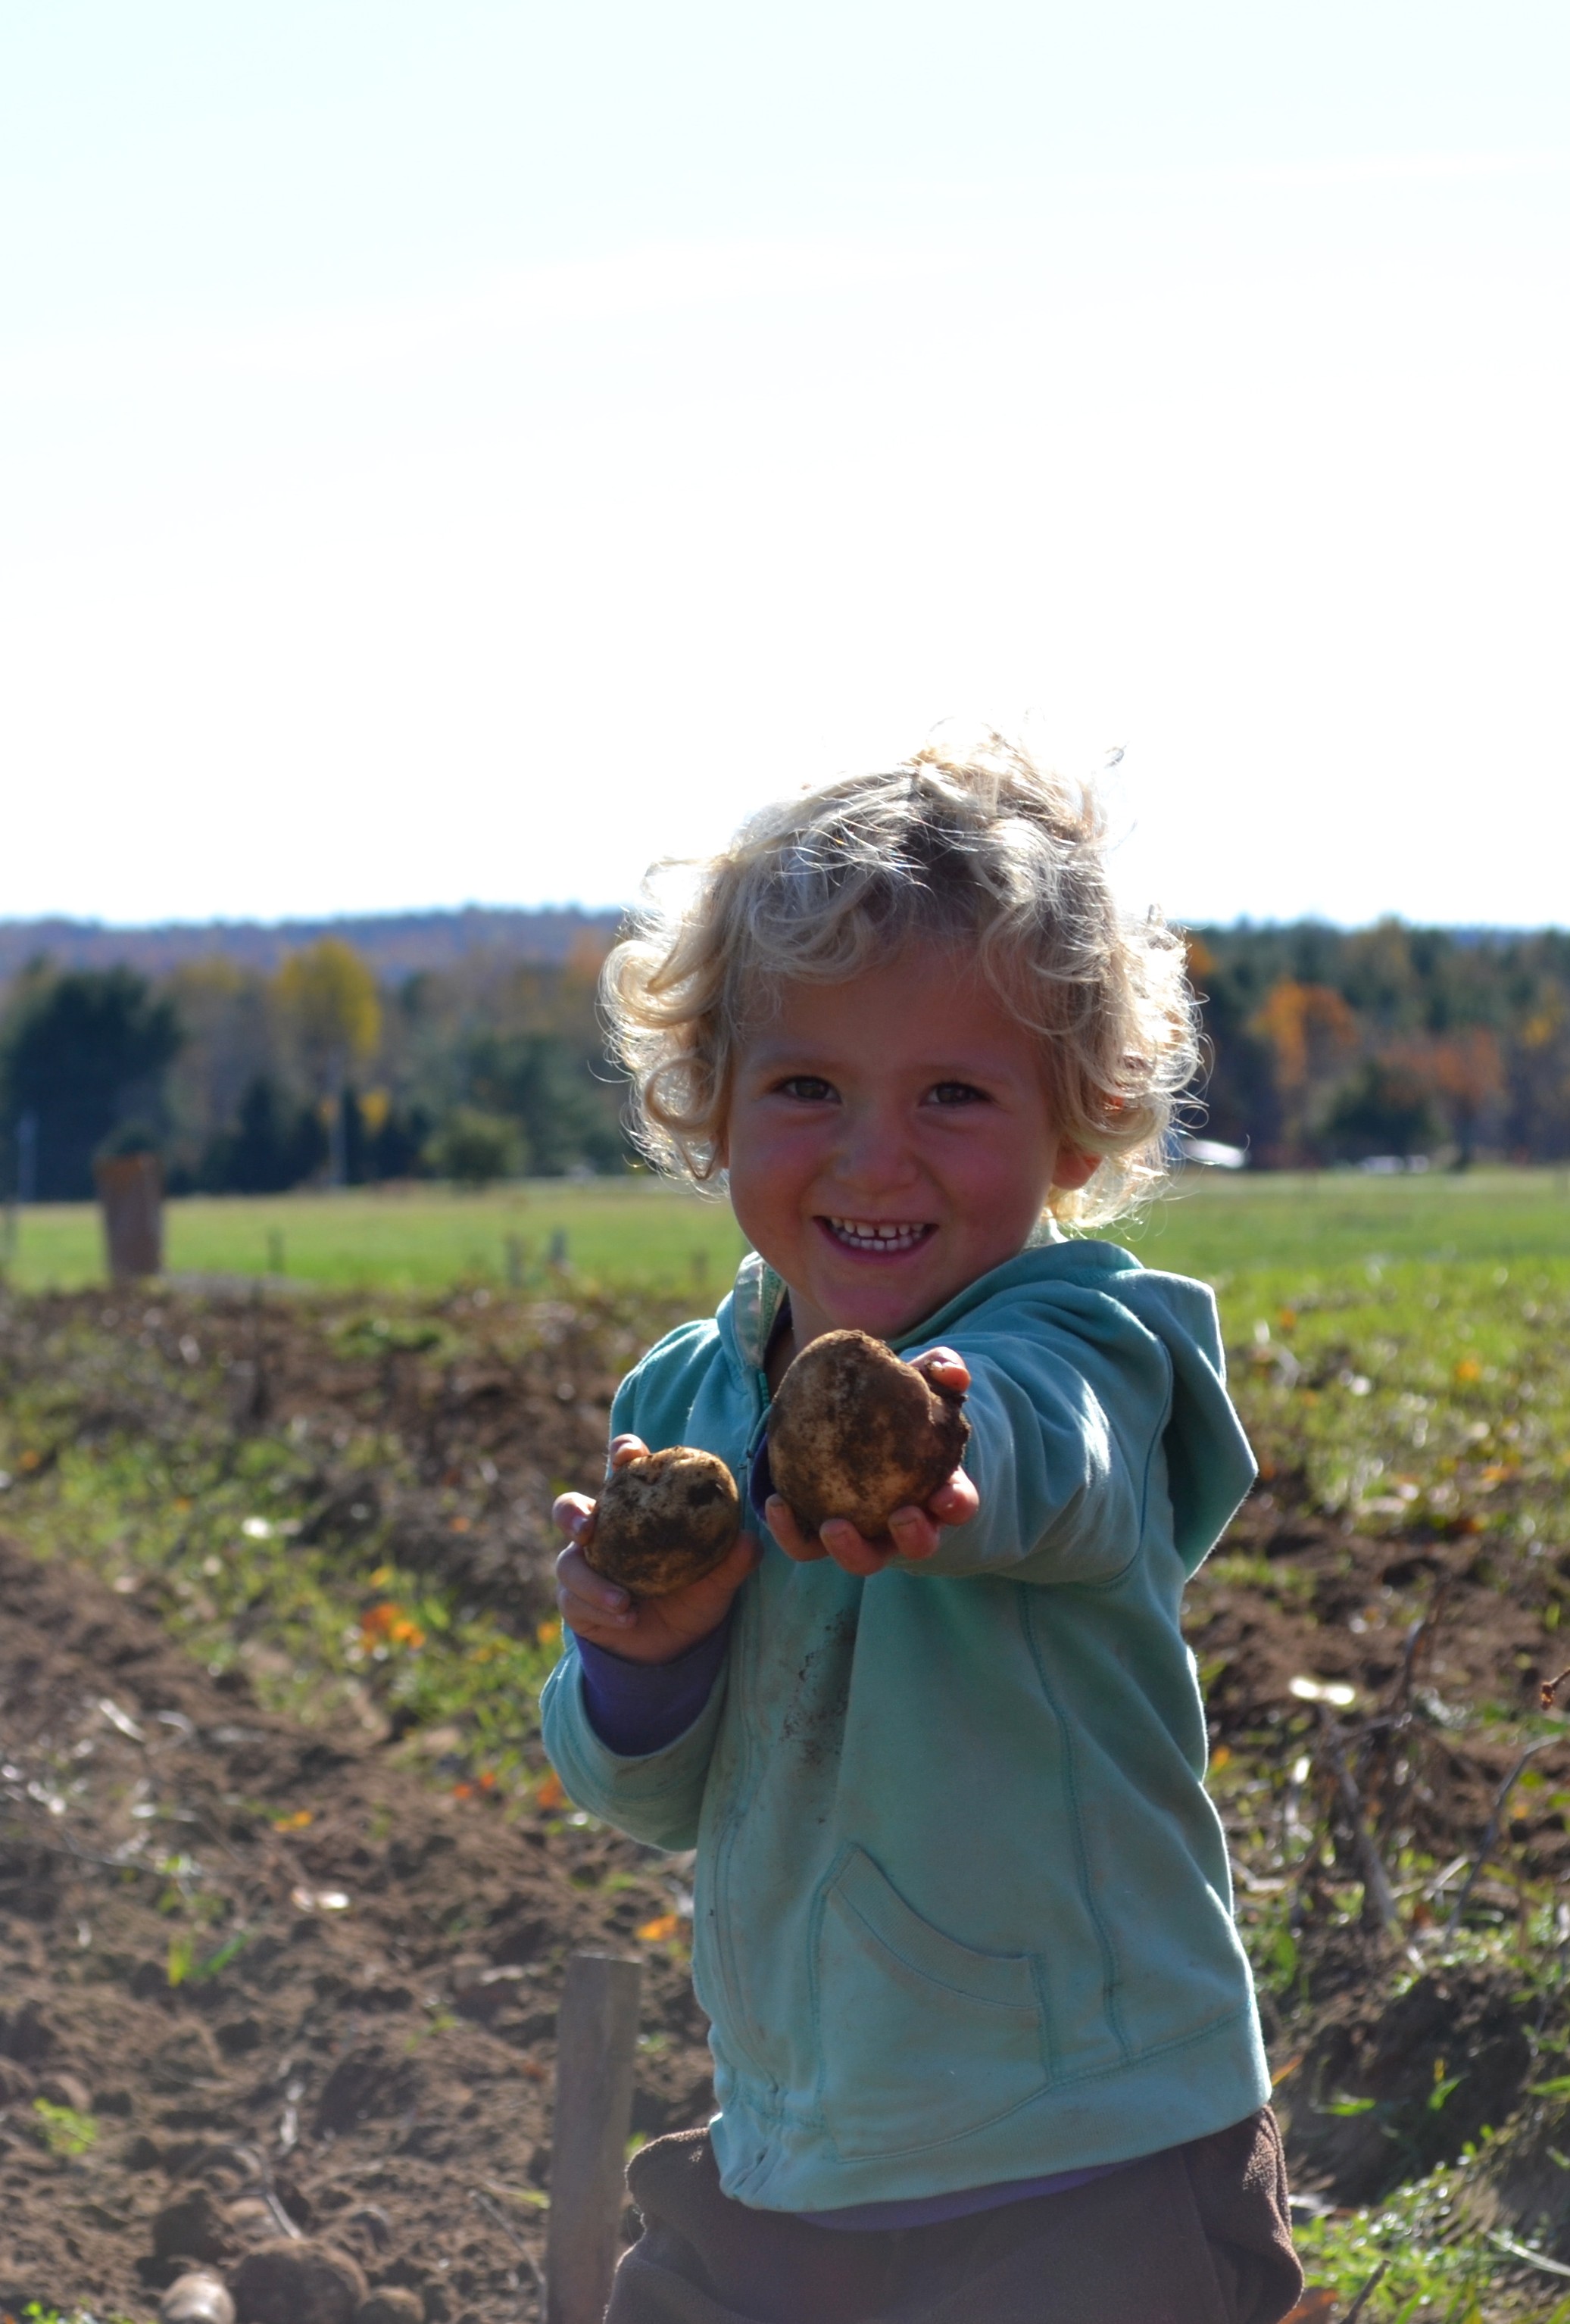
<point x="957" y="1093"/>
<point x="808" y="1087"/>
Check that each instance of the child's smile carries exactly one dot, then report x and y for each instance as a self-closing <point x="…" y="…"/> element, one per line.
<point x="877" y="1241"/>
<point x="891" y="1139"/>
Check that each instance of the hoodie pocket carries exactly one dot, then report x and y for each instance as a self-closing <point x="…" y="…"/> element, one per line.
<point x="920" y="2038"/>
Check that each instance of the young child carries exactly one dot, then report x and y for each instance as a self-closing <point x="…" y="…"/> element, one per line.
<point x="984" y="2040"/>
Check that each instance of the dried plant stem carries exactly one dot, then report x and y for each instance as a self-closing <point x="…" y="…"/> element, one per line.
<point x="1376" y="1882"/>
<point x="1491" y="1832"/>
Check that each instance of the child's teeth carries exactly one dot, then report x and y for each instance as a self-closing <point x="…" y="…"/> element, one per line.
<point x="872" y="1234"/>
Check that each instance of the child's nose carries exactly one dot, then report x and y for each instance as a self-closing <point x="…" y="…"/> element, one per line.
<point x="875" y="1155"/>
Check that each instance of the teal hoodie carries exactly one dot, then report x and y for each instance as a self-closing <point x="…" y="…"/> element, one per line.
<point x="962" y="1911"/>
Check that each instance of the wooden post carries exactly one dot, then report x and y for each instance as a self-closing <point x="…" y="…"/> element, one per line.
<point x="596" y="2036"/>
<point x="131" y="1191"/>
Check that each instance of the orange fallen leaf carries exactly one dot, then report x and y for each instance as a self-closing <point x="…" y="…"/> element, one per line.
<point x="295" y="1823"/>
<point x="488" y="1780"/>
<point x="462" y="1525"/>
<point x="463" y="1791"/>
<point x="550" y="1793"/>
<point x="658" y="1931"/>
<point x="387" y="1624"/>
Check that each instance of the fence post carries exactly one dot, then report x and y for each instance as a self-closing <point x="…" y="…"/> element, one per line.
<point x="130" y="1191"/>
<point x="596" y="2036"/>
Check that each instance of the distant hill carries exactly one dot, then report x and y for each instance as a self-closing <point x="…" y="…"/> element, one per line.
<point x="395" y="944"/>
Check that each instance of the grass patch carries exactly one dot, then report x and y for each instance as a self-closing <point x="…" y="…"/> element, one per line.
<point x="67" y="2134"/>
<point x="545" y="1234"/>
<point x="1436" y="2271"/>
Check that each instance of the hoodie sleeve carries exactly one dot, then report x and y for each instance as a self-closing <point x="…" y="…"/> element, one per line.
<point x="652" y="1796"/>
<point x="656" y="1797"/>
<point x="1081" y="1409"/>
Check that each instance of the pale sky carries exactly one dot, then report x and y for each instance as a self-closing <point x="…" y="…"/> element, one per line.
<point x="460" y="452"/>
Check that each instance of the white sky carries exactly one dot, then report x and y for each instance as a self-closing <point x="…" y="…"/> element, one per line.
<point x="460" y="452"/>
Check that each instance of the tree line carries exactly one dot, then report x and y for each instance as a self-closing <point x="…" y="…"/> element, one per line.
<point x="245" y="1082"/>
<point x="1327" y="1045"/>
<point x="1322" y="1046"/>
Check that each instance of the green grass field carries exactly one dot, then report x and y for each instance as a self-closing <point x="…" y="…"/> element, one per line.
<point x="635" y="1232"/>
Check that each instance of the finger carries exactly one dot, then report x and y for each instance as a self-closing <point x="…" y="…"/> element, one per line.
<point x="571" y="1512"/>
<point x="577" y="1578"/>
<point x="616" y="1631"/>
<point x="624" y="1449"/>
<point x="782" y="1521"/>
<point x="945" y="1368"/>
<point x="956" y="1501"/>
<point x="912" y="1533"/>
<point x="851" y="1549"/>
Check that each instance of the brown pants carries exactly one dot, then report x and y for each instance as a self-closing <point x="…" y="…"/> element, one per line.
<point x="1198" y="2235"/>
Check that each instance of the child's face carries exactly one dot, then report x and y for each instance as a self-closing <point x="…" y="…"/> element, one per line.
<point x="889" y="1139"/>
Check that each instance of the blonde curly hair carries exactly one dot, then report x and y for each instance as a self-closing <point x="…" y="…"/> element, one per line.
<point x="988" y="851"/>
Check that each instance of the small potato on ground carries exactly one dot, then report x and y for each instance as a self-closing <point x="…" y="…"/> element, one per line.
<point x="196" y="2299"/>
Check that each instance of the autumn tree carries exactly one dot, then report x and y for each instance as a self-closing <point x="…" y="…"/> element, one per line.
<point x="327" y="1000"/>
<point x="1311" y="1032"/>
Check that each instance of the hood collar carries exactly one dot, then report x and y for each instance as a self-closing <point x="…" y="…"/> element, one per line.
<point x="758" y="1294"/>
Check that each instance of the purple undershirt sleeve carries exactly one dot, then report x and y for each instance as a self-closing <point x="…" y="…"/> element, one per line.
<point x="636" y="1708"/>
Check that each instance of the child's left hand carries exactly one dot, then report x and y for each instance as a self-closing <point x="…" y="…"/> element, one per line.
<point x="912" y="1532"/>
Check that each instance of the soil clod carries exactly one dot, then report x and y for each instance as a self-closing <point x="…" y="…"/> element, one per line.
<point x="298" y="2283"/>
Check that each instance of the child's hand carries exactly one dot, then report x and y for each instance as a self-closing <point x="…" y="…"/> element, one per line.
<point x="912" y="1532"/>
<point x="640" y="1630"/>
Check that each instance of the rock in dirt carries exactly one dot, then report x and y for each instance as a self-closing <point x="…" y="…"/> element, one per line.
<point x="199" y="2299"/>
<point x="392" y="2304"/>
<point x="191" y="2225"/>
<point x="287" y="2282"/>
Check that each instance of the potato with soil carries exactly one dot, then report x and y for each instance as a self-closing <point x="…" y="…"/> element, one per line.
<point x="664" y="1519"/>
<point x="854" y="1432"/>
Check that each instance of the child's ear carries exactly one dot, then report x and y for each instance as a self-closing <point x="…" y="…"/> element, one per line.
<point x="1072" y="1168"/>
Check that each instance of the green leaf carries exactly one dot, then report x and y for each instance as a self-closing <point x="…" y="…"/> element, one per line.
<point x="216" y="1963"/>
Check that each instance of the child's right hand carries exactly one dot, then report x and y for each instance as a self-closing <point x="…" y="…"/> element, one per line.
<point x="640" y="1630"/>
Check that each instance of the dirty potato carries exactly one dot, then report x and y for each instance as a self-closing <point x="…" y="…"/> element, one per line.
<point x="857" y="1432"/>
<point x="663" y="1520"/>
